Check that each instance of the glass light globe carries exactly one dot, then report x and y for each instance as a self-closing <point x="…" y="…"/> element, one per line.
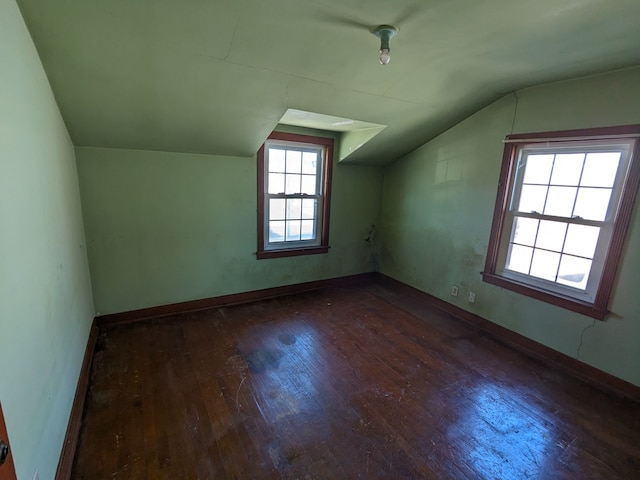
<point x="385" y="56"/>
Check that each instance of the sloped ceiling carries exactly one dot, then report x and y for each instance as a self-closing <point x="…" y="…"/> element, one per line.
<point x="215" y="76"/>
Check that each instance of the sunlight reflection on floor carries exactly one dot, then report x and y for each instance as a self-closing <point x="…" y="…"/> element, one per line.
<point x="289" y="386"/>
<point x="507" y="437"/>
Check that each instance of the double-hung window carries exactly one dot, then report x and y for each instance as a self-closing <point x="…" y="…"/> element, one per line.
<point x="294" y="182"/>
<point x="564" y="204"/>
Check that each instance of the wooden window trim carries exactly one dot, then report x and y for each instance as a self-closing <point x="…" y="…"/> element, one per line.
<point x="599" y="308"/>
<point x="328" y="144"/>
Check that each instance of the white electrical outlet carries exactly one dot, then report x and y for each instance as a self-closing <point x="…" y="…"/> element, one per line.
<point x="472" y="297"/>
<point x="454" y="290"/>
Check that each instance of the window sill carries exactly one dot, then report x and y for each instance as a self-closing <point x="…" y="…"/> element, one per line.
<point x="291" y="252"/>
<point x="584" y="308"/>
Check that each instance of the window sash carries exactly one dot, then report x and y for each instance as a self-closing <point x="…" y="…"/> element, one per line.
<point x="316" y="240"/>
<point x="319" y="152"/>
<point x="583" y="147"/>
<point x="594" y="274"/>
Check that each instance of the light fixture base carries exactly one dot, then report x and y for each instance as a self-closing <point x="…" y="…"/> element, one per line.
<point x="385" y="32"/>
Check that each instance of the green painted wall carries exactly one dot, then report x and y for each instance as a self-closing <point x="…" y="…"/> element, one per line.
<point x="170" y="227"/>
<point x="437" y="209"/>
<point x="45" y="294"/>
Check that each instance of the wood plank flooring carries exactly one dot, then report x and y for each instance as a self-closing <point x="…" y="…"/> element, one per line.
<point x="344" y="383"/>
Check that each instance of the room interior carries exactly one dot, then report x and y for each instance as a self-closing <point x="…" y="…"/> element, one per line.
<point x="129" y="132"/>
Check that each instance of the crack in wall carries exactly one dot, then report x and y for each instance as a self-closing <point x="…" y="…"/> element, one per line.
<point x="582" y="337"/>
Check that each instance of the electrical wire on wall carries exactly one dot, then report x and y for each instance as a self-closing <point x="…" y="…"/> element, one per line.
<point x="515" y="111"/>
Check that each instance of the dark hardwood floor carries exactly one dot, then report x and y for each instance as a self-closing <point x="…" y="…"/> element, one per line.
<point x="353" y="382"/>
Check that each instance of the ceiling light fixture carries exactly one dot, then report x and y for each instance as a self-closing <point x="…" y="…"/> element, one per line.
<point x="385" y="33"/>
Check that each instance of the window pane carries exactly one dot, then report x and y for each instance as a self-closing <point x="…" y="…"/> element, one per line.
<point x="308" y="230"/>
<point x="293" y="230"/>
<point x="567" y="169"/>
<point x="525" y="230"/>
<point x="574" y="271"/>
<point x="276" y="231"/>
<point x="519" y="259"/>
<point x="294" y="207"/>
<point x="293" y="184"/>
<point x="592" y="203"/>
<point x="581" y="240"/>
<point x="309" y="208"/>
<point x="308" y="184"/>
<point x="551" y="235"/>
<point x="538" y="169"/>
<point x="545" y="264"/>
<point x="276" y="160"/>
<point x="560" y="201"/>
<point x="294" y="161"/>
<point x="532" y="198"/>
<point x="309" y="162"/>
<point x="600" y="169"/>
<point x="276" y="209"/>
<point x="276" y="183"/>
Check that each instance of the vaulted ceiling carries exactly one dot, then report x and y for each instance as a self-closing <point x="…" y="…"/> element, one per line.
<point x="216" y="76"/>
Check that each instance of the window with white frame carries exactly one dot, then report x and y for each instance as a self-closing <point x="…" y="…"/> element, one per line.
<point x="293" y="195"/>
<point x="563" y="207"/>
